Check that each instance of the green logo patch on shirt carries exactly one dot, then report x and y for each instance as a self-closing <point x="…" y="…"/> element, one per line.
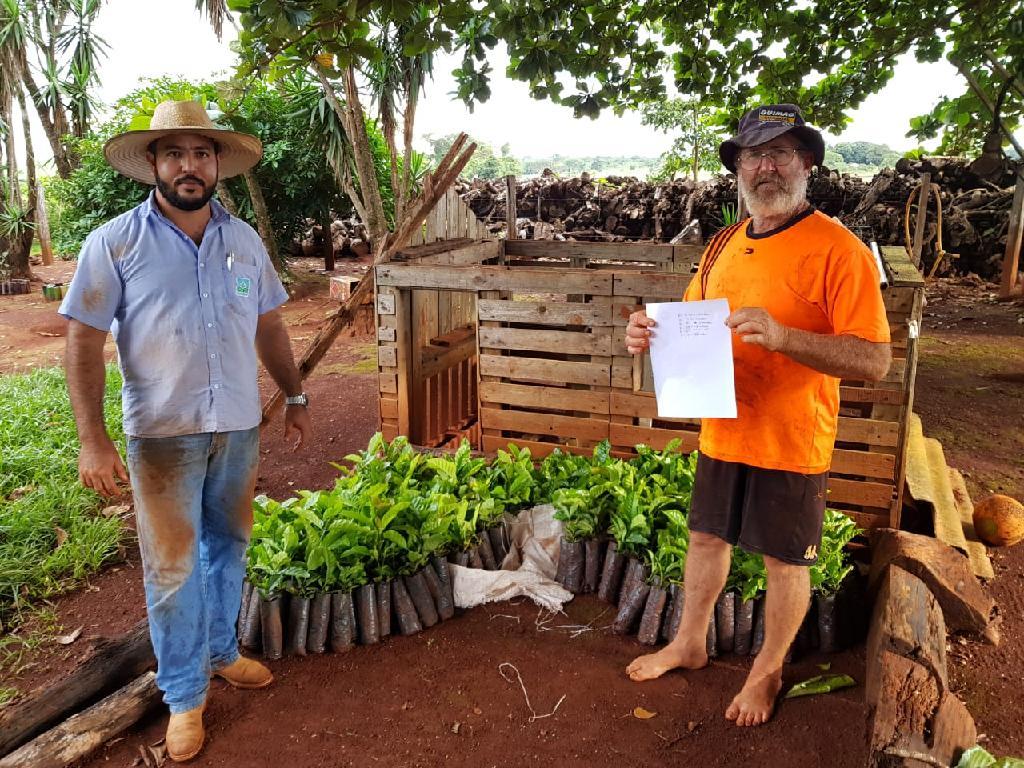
<point x="243" y="285"/>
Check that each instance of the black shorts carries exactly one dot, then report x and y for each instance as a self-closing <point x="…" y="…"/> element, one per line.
<point x="768" y="511"/>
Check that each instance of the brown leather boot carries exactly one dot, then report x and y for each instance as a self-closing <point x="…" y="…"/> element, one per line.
<point x="246" y="673"/>
<point x="185" y="734"/>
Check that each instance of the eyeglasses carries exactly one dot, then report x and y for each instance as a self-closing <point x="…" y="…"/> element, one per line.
<point x="750" y="160"/>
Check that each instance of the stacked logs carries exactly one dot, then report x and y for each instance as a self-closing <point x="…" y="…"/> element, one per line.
<point x="975" y="211"/>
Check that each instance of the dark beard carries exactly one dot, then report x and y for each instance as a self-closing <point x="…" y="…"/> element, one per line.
<point x="170" y="194"/>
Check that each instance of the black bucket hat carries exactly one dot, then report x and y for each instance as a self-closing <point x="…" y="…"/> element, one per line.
<point x="764" y="123"/>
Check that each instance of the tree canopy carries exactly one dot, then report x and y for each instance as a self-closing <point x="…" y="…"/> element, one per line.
<point x="826" y="55"/>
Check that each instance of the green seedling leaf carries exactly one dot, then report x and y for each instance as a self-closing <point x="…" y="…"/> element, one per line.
<point x="825" y="667"/>
<point x="820" y="684"/>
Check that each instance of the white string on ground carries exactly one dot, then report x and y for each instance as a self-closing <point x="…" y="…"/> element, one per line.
<point x="544" y="619"/>
<point x="533" y="713"/>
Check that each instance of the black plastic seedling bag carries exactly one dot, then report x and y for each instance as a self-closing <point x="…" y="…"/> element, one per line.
<point x="611" y="574"/>
<point x="593" y="549"/>
<point x="725" y="621"/>
<point x="408" y="620"/>
<point x="570" y="566"/>
<point x="650" y="622"/>
<point x="416" y="585"/>
<point x="744" y="633"/>
<point x="298" y="625"/>
<point x="383" y="590"/>
<point x="343" y="622"/>
<point x="366" y="614"/>
<point x="251" y="628"/>
<point x="486" y="553"/>
<point x="270" y="626"/>
<point x="445" y="604"/>
<point x="319" y="623"/>
<point x="632" y="599"/>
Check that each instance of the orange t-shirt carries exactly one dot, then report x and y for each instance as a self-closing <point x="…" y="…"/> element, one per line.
<point x="812" y="274"/>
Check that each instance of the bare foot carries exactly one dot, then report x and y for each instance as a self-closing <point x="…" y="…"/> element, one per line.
<point x="670" y="657"/>
<point x="754" y="704"/>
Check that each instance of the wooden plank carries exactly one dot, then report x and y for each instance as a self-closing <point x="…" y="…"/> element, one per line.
<point x="640" y="406"/>
<point x="622" y="372"/>
<point x="855" y="394"/>
<point x="647" y="252"/>
<point x="621" y="312"/>
<point x="544" y="312"/>
<point x="423" y="250"/>
<point x="385" y="304"/>
<point x="867" y="520"/>
<point x="549" y="371"/>
<point x="511" y="232"/>
<point x="866" y="463"/>
<point x="861" y="492"/>
<point x="900" y="268"/>
<point x="387" y="357"/>
<point x="899" y="299"/>
<point x="388" y="383"/>
<point x="1014" y="233"/>
<point x="434" y="360"/>
<point x="473" y="252"/>
<point x="492" y="278"/>
<point x="626" y="436"/>
<point x="386" y="334"/>
<point x="403" y="316"/>
<point x="685" y="255"/>
<point x="922" y="211"/>
<point x="872" y="431"/>
<point x="389" y="431"/>
<point x="543" y="424"/>
<point x="538" y="450"/>
<point x="652" y="284"/>
<point x="555" y="398"/>
<point x="567" y="342"/>
<point x="389" y="408"/>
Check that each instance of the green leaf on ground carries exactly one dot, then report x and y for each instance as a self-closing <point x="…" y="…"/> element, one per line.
<point x="820" y="684"/>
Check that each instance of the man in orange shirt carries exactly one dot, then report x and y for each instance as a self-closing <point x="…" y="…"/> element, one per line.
<point x="806" y="312"/>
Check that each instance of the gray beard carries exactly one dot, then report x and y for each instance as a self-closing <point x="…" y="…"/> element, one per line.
<point x="770" y="200"/>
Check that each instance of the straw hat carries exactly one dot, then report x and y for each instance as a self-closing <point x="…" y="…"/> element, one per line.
<point x="126" y="152"/>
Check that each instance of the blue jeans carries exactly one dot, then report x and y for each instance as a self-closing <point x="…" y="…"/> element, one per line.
<point x="193" y="510"/>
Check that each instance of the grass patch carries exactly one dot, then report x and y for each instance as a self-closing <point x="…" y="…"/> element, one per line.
<point x="41" y="499"/>
<point x="365" y="362"/>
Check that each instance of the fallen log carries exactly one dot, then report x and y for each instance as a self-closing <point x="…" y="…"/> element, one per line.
<point x="113" y="663"/>
<point x="81" y="734"/>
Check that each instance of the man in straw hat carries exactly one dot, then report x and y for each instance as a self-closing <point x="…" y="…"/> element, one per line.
<point x="806" y="312"/>
<point x="191" y="297"/>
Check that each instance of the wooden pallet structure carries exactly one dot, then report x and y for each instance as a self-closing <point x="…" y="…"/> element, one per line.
<point x="543" y="325"/>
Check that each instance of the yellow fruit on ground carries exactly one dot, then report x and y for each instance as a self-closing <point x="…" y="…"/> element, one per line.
<point x="999" y="520"/>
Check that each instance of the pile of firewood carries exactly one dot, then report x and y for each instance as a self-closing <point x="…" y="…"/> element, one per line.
<point x="975" y="211"/>
<point x="348" y="238"/>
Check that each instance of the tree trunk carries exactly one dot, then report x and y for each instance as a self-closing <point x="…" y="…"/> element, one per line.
<point x="263" y="226"/>
<point x="112" y="663"/>
<point x="412" y="95"/>
<point x="354" y="122"/>
<point x="227" y="199"/>
<point x="21" y="246"/>
<point x="328" y="239"/>
<point x="54" y="127"/>
<point x="387" y="120"/>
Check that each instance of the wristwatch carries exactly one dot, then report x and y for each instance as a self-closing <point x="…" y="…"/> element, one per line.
<point x="300" y="399"/>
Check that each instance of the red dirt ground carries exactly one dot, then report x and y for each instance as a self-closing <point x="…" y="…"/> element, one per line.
<point x="398" y="703"/>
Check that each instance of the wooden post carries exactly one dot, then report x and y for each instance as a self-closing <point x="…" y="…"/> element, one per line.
<point x="1011" y="258"/>
<point x="43" y="226"/>
<point x="922" y="212"/>
<point x="510" y="207"/>
<point x="327" y="246"/>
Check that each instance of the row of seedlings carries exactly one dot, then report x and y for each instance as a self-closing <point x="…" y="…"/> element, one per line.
<point x="626" y="537"/>
<point x="329" y="569"/>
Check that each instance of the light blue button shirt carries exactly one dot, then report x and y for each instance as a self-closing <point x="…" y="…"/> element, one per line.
<point x="183" y="317"/>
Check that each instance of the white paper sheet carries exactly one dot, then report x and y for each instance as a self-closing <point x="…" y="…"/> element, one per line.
<point x="691" y="354"/>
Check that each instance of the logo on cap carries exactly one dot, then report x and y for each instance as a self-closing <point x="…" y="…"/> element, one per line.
<point x="767" y="115"/>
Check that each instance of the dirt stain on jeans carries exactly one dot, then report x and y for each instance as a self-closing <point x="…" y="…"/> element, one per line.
<point x="165" y="532"/>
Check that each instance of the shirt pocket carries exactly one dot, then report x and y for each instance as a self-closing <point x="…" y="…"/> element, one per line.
<point x="242" y="283"/>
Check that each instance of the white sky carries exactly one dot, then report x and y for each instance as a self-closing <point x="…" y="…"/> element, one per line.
<point x="150" y="38"/>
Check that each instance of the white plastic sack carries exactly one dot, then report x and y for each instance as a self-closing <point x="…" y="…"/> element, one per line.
<point x="528" y="569"/>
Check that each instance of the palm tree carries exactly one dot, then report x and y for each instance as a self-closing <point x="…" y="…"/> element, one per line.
<point x="397" y="79"/>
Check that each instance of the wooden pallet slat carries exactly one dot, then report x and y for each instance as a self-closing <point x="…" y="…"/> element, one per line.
<point x="560" y="342"/>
